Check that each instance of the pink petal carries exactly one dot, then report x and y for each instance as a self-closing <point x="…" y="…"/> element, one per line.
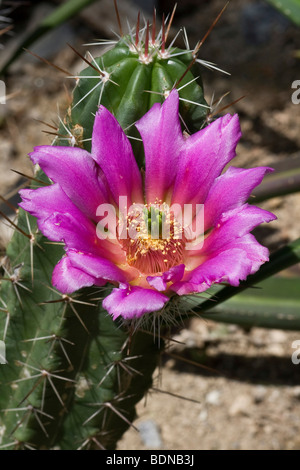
<point x="133" y="301"/>
<point x="230" y="190"/>
<point x="235" y="224"/>
<point x="67" y="279"/>
<point x="173" y="275"/>
<point x="230" y="226"/>
<point x="43" y="202"/>
<point x="235" y="263"/>
<point x="60" y="220"/>
<point x="76" y="172"/>
<point x="112" y="151"/>
<point x="203" y="158"/>
<point x="100" y="268"/>
<point x="162" y="137"/>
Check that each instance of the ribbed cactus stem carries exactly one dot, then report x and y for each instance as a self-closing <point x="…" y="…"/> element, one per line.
<point x="73" y="375"/>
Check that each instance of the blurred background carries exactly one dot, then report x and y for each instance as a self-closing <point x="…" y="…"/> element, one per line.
<point x="219" y="386"/>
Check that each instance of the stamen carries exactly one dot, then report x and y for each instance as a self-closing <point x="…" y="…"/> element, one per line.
<point x="156" y="239"/>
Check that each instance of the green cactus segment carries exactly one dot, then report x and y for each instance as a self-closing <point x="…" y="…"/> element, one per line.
<point x="290" y="8"/>
<point x="128" y="85"/>
<point x="66" y="358"/>
<point x="26" y="319"/>
<point x="73" y="375"/>
<point x="274" y="303"/>
<point x="109" y="387"/>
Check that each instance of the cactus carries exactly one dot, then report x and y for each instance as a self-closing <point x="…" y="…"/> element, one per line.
<point x="66" y="358"/>
<point x="128" y="80"/>
<point x="289" y="8"/>
<point x="73" y="375"/>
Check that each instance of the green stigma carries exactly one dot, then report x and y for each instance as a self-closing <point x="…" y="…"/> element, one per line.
<point x="154" y="220"/>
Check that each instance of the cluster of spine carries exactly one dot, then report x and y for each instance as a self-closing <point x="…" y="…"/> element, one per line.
<point x="128" y="79"/>
<point x="5" y="22"/>
<point x="73" y="375"/>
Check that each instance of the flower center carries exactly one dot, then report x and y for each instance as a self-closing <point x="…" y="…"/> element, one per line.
<point x="155" y="240"/>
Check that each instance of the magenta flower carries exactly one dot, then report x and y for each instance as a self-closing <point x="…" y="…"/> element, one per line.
<point x="180" y="172"/>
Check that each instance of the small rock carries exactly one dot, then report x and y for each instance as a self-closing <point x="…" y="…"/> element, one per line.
<point x="200" y="327"/>
<point x="203" y="415"/>
<point x="185" y="339"/>
<point x="275" y="395"/>
<point x="258" y="337"/>
<point x="233" y="329"/>
<point x="150" y="434"/>
<point x="276" y="350"/>
<point x="296" y="392"/>
<point x="259" y="393"/>
<point x="213" y="397"/>
<point x="241" y="406"/>
<point x="268" y="429"/>
<point x="277" y="336"/>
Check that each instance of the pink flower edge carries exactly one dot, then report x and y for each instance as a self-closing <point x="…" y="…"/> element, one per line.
<point x="178" y="170"/>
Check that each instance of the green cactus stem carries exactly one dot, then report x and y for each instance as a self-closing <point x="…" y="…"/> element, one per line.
<point x="128" y="80"/>
<point x="73" y="375"/>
